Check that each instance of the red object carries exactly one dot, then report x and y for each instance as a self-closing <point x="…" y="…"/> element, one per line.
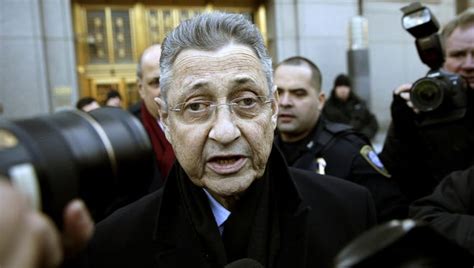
<point x="162" y="148"/>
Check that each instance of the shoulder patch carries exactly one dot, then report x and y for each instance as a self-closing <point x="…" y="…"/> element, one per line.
<point x="371" y="157"/>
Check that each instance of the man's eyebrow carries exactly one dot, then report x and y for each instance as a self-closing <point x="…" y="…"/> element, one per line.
<point x="292" y="89"/>
<point x="195" y="85"/>
<point x="242" y="80"/>
<point x="457" y="50"/>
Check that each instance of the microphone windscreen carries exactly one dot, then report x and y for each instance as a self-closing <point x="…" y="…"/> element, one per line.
<point x="244" y="263"/>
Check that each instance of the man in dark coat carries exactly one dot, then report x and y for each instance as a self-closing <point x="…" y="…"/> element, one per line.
<point x="230" y="196"/>
<point x="148" y="82"/>
<point x="310" y="142"/>
<point x="420" y="152"/>
<point x="302" y="220"/>
<point x="450" y="208"/>
<point x="344" y="106"/>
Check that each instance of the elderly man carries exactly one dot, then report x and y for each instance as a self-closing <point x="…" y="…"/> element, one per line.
<point x="230" y="197"/>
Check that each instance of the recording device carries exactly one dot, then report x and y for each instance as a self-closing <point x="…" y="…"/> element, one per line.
<point x="441" y="95"/>
<point x="103" y="157"/>
<point x="244" y="263"/>
<point x="402" y="244"/>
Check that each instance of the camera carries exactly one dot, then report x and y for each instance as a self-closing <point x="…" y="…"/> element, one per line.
<point x="103" y="157"/>
<point x="441" y="95"/>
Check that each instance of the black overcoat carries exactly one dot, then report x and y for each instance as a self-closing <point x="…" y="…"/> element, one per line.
<point x="321" y="215"/>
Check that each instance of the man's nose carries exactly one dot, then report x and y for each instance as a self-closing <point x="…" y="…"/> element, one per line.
<point x="285" y="99"/>
<point x="469" y="61"/>
<point x="224" y="130"/>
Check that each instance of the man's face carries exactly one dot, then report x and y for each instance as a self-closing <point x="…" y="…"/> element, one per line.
<point x="224" y="153"/>
<point x="91" y="106"/>
<point x="300" y="104"/>
<point x="459" y="48"/>
<point x="149" y="85"/>
<point x="114" y="102"/>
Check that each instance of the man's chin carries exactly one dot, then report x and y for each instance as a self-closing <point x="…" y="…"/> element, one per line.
<point x="227" y="187"/>
<point x="285" y="126"/>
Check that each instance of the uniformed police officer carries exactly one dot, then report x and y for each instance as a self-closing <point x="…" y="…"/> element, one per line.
<point x="310" y="142"/>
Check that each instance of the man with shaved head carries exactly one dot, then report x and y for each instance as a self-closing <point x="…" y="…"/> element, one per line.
<point x="148" y="81"/>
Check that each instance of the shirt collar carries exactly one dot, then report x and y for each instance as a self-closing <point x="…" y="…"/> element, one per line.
<point x="158" y="121"/>
<point x="219" y="211"/>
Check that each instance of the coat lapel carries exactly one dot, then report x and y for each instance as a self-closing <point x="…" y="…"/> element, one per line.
<point x="177" y="243"/>
<point x="294" y="217"/>
<point x="294" y="238"/>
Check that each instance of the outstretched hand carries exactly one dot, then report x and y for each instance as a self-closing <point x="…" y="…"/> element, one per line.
<point x="30" y="239"/>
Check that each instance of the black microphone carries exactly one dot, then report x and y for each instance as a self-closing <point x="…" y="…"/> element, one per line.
<point x="244" y="263"/>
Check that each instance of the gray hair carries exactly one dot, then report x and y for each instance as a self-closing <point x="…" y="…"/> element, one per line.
<point x="463" y="21"/>
<point x="210" y="32"/>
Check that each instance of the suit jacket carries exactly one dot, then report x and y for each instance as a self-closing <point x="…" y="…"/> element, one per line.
<point x="318" y="216"/>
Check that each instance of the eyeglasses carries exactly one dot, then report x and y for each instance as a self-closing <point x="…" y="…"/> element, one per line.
<point x="200" y="111"/>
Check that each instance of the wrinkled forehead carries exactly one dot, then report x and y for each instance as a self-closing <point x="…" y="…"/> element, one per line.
<point x="218" y="70"/>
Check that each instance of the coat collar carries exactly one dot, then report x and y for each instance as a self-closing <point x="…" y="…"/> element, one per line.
<point x="177" y="243"/>
<point x="313" y="146"/>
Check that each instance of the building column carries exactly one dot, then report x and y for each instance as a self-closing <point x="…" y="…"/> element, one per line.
<point x="37" y="63"/>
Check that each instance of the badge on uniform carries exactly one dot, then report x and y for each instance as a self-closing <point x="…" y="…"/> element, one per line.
<point x="320" y="166"/>
<point x="371" y="156"/>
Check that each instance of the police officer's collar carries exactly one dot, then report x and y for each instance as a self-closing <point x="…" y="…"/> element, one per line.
<point x="294" y="150"/>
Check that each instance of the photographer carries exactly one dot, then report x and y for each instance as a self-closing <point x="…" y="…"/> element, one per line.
<point x="419" y="155"/>
<point x="29" y="239"/>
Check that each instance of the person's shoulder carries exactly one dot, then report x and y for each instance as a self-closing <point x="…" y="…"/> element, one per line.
<point x="309" y="183"/>
<point x="132" y="215"/>
<point x="343" y="136"/>
<point x="125" y="236"/>
<point x="334" y="198"/>
<point x="136" y="109"/>
<point x="461" y="181"/>
<point x="336" y="128"/>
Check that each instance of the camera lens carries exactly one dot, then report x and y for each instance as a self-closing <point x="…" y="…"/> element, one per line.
<point x="103" y="157"/>
<point x="427" y="94"/>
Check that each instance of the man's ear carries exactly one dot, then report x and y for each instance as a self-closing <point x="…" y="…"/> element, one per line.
<point x="275" y="107"/>
<point x="322" y="100"/>
<point x="140" y="88"/>
<point x="163" y="116"/>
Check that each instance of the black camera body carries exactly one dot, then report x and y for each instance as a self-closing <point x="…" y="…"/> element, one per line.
<point x="441" y="96"/>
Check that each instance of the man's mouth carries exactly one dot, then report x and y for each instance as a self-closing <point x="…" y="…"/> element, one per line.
<point x="224" y="165"/>
<point x="284" y="117"/>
